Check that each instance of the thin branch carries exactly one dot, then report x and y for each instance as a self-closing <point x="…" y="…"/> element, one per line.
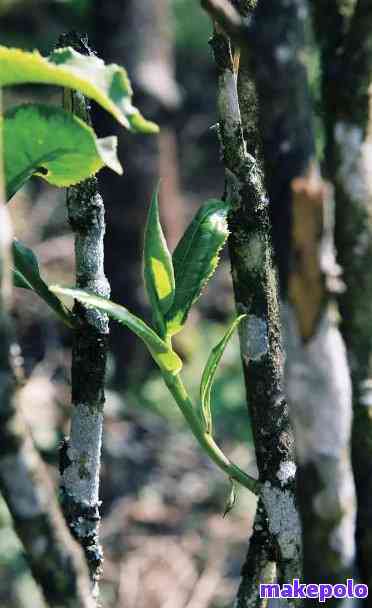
<point x="81" y="453"/>
<point x="56" y="561"/>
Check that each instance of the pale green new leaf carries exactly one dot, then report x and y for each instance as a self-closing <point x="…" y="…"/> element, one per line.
<point x="163" y="355"/>
<point x="158" y="267"/>
<point x="210" y="372"/>
<point x="231" y="499"/>
<point x="53" y="144"/>
<point x="195" y="259"/>
<point x="26" y="274"/>
<point x="108" y="85"/>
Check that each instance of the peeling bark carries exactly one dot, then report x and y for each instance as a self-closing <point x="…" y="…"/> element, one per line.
<point x="55" y="560"/>
<point x="276" y="541"/>
<point x="81" y="452"/>
<point x="348" y="160"/>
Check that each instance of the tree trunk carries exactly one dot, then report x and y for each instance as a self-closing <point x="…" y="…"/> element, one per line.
<point x="275" y="549"/>
<point x="317" y="376"/>
<point x="347" y="75"/>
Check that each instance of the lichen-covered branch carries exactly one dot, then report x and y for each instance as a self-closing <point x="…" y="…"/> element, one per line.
<point x="81" y="452"/>
<point x="317" y="376"/>
<point x="261" y="564"/>
<point x="56" y="562"/>
<point x="348" y="160"/>
<point x="276" y="540"/>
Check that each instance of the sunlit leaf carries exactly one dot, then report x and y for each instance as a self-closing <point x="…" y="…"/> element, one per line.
<point x="26" y="274"/>
<point x="108" y="85"/>
<point x="158" y="267"/>
<point x="164" y="356"/>
<point x="53" y="144"/>
<point x="195" y="259"/>
<point x="210" y="372"/>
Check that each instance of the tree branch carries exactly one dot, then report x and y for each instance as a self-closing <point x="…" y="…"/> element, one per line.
<point x="255" y="290"/>
<point x="56" y="562"/>
<point x="80" y="457"/>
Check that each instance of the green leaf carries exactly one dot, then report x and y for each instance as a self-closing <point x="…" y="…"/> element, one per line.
<point x="53" y="144"/>
<point x="164" y="356"/>
<point x="231" y="499"/>
<point x="26" y="274"/>
<point x="195" y="259"/>
<point x="158" y="267"/>
<point x="108" y="85"/>
<point x="210" y="372"/>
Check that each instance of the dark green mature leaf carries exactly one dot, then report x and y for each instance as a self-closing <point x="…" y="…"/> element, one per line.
<point x="53" y="144"/>
<point x="210" y="372"/>
<point x="26" y="274"/>
<point x="164" y="356"/>
<point x="158" y="267"/>
<point x="195" y="259"/>
<point x="108" y="85"/>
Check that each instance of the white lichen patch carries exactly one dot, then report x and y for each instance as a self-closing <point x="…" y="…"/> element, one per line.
<point x="254" y="339"/>
<point x="283" y="519"/>
<point x="254" y="253"/>
<point x="318" y="388"/>
<point x="355" y="153"/>
<point x="81" y="477"/>
<point x="287" y="471"/>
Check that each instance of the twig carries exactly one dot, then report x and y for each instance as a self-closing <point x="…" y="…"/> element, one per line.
<point x="81" y="453"/>
<point x="56" y="561"/>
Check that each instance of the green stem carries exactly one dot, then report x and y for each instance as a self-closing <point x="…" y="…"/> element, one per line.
<point x="205" y="439"/>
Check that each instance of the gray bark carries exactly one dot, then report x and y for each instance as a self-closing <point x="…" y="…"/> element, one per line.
<point x="346" y="77"/>
<point x="81" y="452"/>
<point x="315" y="358"/>
<point x="301" y="210"/>
<point x="275" y="548"/>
